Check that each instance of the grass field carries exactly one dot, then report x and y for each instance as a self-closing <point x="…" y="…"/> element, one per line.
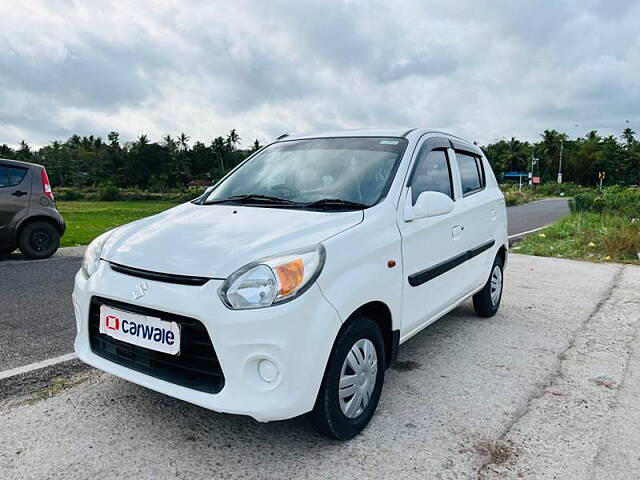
<point x="595" y="237"/>
<point x="87" y="220"/>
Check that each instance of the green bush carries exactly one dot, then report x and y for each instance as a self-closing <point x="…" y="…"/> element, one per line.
<point x="513" y="197"/>
<point x="613" y="200"/>
<point x="559" y="189"/>
<point x="108" y="193"/>
<point x="70" y="195"/>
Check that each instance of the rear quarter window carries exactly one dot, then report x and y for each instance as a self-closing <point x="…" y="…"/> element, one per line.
<point x="471" y="173"/>
<point x="11" y="176"/>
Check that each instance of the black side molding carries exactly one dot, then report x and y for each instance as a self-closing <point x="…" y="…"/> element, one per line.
<point x="430" y="273"/>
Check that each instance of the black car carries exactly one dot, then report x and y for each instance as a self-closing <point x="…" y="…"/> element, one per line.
<point x="29" y="219"/>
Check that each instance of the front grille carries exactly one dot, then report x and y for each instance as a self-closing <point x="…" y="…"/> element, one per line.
<point x="196" y="366"/>
<point x="158" y="276"/>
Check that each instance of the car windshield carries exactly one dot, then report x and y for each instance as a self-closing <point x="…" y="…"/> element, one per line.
<point x="332" y="172"/>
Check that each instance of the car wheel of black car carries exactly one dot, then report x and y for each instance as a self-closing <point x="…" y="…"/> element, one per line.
<point x="39" y="240"/>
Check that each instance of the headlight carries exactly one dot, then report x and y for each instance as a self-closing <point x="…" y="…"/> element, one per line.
<point x="273" y="280"/>
<point x="91" y="257"/>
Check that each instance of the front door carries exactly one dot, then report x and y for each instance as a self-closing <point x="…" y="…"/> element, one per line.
<point x="430" y="245"/>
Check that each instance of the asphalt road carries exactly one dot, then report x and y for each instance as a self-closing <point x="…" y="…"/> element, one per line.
<point x="36" y="317"/>
<point x="529" y="216"/>
<point x="547" y="388"/>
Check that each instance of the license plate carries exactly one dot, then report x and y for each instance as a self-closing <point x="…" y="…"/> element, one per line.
<point x="148" y="332"/>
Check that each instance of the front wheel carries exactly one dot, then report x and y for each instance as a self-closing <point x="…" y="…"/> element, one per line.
<point x="487" y="301"/>
<point x="352" y="382"/>
<point x="39" y="240"/>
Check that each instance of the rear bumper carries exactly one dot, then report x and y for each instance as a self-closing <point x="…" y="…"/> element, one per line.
<point x="296" y="336"/>
<point x="62" y="225"/>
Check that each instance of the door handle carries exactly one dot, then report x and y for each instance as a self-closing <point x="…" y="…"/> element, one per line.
<point x="456" y="231"/>
<point x="18" y="193"/>
<point x="492" y="213"/>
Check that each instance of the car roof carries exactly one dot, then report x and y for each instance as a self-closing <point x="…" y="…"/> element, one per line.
<point x="18" y="163"/>
<point x="384" y="132"/>
<point x="355" y="132"/>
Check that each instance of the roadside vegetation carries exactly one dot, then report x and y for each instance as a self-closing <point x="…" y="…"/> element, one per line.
<point x="87" y="220"/>
<point x="175" y="162"/>
<point x="515" y="196"/>
<point x="602" y="227"/>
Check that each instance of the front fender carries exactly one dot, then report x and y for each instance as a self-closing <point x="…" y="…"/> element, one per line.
<point x="357" y="268"/>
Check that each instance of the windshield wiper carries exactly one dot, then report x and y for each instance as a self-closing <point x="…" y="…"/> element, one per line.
<point x="336" y="204"/>
<point x="252" y="198"/>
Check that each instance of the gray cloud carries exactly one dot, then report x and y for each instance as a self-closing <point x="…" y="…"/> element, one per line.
<point x="483" y="69"/>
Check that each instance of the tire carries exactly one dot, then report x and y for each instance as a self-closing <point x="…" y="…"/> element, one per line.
<point x="39" y="240"/>
<point x="328" y="416"/>
<point x="486" y="303"/>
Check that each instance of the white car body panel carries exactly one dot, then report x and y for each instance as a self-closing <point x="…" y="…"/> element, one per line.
<point x="214" y="241"/>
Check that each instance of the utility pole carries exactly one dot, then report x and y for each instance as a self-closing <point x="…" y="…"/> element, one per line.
<point x="560" y="164"/>
<point x="533" y="149"/>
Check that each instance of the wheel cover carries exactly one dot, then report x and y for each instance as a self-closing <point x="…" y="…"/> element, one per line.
<point x="358" y="378"/>
<point x="496" y="285"/>
<point x="40" y="240"/>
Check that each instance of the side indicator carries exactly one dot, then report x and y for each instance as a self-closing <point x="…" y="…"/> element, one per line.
<point x="391" y="263"/>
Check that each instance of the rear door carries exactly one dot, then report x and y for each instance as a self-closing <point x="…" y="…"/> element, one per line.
<point x="479" y="215"/>
<point x="429" y="245"/>
<point x="15" y="192"/>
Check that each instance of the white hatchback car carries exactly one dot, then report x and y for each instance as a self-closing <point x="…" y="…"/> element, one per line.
<point x="288" y="286"/>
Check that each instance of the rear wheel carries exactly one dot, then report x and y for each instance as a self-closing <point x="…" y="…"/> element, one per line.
<point x="487" y="301"/>
<point x="39" y="240"/>
<point x="352" y="382"/>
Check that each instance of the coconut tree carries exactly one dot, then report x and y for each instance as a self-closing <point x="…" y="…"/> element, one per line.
<point x="183" y="141"/>
<point x="628" y="135"/>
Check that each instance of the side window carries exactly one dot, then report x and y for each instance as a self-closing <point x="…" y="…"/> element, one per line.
<point x="471" y="173"/>
<point x="4" y="177"/>
<point x="432" y="174"/>
<point x="11" y="176"/>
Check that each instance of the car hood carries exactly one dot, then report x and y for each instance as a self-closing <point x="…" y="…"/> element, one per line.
<point x="215" y="240"/>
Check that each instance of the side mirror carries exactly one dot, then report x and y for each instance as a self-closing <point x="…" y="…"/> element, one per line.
<point x="428" y="204"/>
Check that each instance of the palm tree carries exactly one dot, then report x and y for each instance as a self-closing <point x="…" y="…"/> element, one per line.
<point x="592" y="136"/>
<point x="143" y="140"/>
<point x="628" y="135"/>
<point x="550" y="148"/>
<point x="516" y="155"/>
<point x="170" y="143"/>
<point x="233" y="139"/>
<point x="219" y="147"/>
<point x="183" y="140"/>
<point x="24" y="153"/>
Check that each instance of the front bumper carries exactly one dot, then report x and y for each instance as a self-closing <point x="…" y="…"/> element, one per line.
<point x="296" y="336"/>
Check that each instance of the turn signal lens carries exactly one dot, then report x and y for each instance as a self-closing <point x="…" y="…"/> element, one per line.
<point x="290" y="276"/>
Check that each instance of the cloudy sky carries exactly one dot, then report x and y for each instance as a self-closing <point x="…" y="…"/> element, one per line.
<point x="483" y="69"/>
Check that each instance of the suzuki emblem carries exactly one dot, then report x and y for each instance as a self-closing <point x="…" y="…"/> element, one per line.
<point x="140" y="290"/>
